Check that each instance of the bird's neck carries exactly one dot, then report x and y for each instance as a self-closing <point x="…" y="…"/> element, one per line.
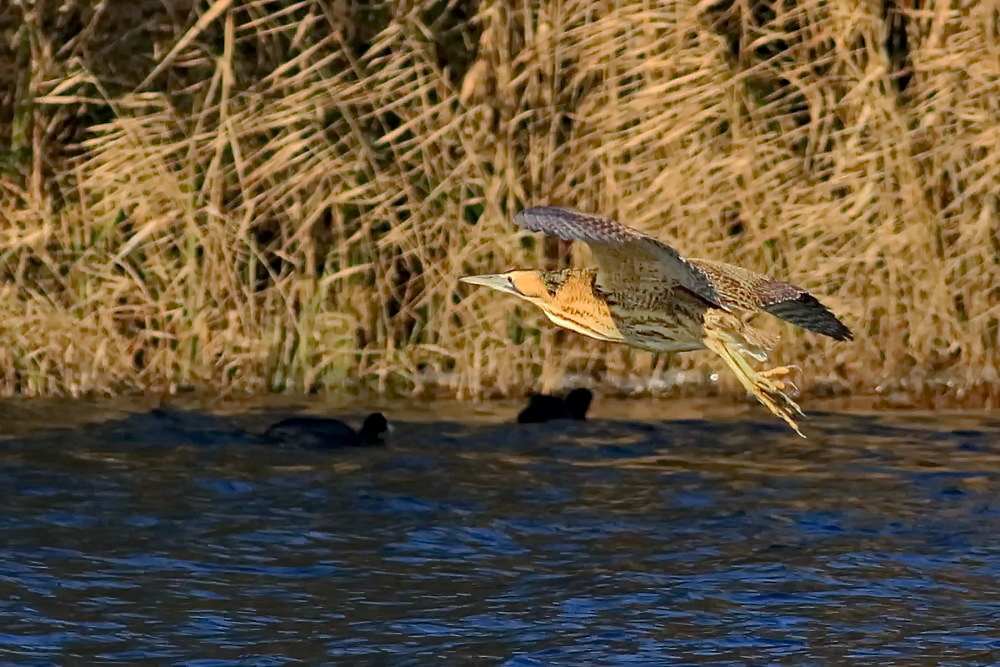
<point x="573" y="279"/>
<point x="573" y="302"/>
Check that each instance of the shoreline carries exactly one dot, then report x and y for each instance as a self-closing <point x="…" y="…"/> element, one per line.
<point x="24" y="415"/>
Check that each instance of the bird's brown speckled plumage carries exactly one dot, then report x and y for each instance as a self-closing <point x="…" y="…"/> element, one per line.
<point x="645" y="294"/>
<point x="742" y="289"/>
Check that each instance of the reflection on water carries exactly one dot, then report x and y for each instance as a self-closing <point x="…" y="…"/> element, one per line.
<point x="178" y="536"/>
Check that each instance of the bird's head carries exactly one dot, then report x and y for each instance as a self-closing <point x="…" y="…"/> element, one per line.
<point x="528" y="284"/>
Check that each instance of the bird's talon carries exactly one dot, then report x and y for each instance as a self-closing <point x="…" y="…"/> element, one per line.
<point x="780" y="371"/>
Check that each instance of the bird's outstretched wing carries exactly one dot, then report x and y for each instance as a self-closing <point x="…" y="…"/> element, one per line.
<point x="743" y="289"/>
<point x="626" y="256"/>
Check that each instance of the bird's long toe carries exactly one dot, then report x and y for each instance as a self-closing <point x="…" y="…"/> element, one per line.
<point x="771" y="375"/>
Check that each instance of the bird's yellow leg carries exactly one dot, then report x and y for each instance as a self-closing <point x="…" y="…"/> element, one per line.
<point x="769" y="392"/>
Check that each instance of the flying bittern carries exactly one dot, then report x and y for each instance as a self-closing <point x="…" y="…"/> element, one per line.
<point x="645" y="294"/>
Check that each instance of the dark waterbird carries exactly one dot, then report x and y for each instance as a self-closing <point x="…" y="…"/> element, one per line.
<point x="328" y="433"/>
<point x="542" y="407"/>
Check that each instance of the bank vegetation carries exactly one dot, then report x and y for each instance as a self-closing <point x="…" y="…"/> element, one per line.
<point x="247" y="196"/>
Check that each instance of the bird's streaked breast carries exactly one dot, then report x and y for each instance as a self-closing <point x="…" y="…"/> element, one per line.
<point x="656" y="317"/>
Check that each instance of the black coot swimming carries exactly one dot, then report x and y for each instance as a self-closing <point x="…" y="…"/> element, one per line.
<point x="327" y="433"/>
<point x="542" y="407"/>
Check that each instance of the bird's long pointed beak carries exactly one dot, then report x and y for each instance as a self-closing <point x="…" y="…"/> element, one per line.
<point x="497" y="281"/>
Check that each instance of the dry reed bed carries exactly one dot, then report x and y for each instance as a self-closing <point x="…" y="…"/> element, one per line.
<point x="287" y="198"/>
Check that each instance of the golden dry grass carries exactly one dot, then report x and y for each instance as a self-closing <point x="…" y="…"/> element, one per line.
<point x="282" y="195"/>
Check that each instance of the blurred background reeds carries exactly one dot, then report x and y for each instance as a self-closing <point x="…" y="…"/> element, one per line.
<point x="248" y="196"/>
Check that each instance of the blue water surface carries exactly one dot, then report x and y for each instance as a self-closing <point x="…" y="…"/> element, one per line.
<point x="185" y="539"/>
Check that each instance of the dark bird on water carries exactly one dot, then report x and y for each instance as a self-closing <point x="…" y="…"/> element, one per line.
<point x="328" y="433"/>
<point x="644" y="294"/>
<point x="543" y="408"/>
